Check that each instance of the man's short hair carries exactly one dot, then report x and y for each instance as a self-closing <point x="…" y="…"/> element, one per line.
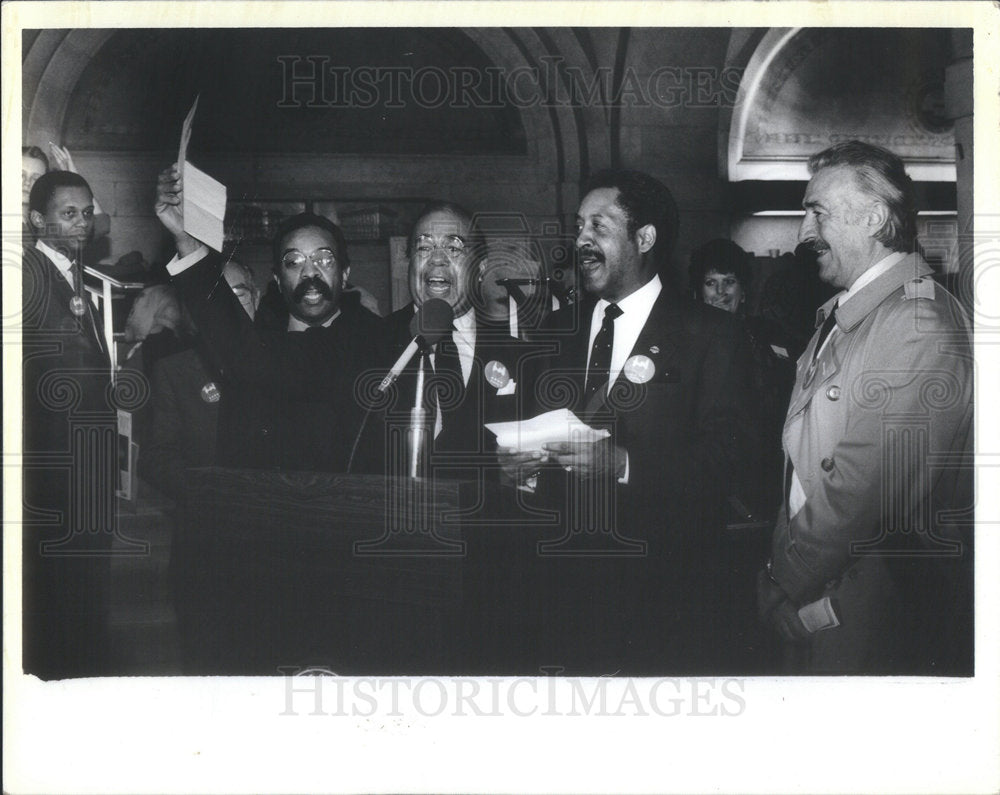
<point x="46" y="186"/>
<point x="36" y="153"/>
<point x="722" y="256"/>
<point x="881" y="174"/>
<point x="301" y="221"/>
<point x="477" y="240"/>
<point x="645" y="200"/>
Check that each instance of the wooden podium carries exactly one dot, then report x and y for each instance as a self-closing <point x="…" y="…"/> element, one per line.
<point x="282" y="572"/>
<point x="368" y="575"/>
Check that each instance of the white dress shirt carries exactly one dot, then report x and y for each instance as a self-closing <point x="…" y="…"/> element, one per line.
<point x="181" y="264"/>
<point x="628" y="325"/>
<point x="635" y="312"/>
<point x="464" y="337"/>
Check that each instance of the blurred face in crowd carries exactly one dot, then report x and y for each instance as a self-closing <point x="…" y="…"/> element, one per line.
<point x="505" y="265"/>
<point x="240" y="280"/>
<point x="155" y="309"/>
<point x="31" y="169"/>
<point x="309" y="275"/>
<point x="68" y="220"/>
<point x="441" y="260"/>
<point x="610" y="259"/>
<point x="722" y="290"/>
<point x="835" y="225"/>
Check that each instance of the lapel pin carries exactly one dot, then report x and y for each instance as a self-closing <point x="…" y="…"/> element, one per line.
<point x="76" y="306"/>
<point x="639" y="369"/>
<point x="654" y="349"/>
<point x="496" y="374"/>
<point x="210" y="393"/>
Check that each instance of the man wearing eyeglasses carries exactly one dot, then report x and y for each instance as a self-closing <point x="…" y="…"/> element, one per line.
<point x="288" y="394"/>
<point x="471" y="373"/>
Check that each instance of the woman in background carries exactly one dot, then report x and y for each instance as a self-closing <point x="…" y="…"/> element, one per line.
<point x="721" y="275"/>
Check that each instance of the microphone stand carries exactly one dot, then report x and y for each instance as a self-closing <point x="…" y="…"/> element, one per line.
<point x="516" y="297"/>
<point x="417" y="435"/>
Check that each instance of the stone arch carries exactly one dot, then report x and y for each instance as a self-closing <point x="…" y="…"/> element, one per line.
<point x="795" y="99"/>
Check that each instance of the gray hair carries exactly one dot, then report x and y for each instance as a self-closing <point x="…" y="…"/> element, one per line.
<point x="879" y="173"/>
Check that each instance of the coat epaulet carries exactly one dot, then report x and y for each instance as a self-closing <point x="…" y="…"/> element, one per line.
<point x="921" y="287"/>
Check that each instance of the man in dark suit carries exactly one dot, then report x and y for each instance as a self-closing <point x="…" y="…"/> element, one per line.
<point x="70" y="441"/>
<point x="637" y="583"/>
<point x="289" y="394"/>
<point x="185" y="403"/>
<point x="472" y="373"/>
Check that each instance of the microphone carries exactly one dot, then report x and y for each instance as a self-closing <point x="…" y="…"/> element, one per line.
<point x="431" y="323"/>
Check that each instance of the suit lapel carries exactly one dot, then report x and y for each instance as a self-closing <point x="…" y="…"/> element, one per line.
<point x="659" y="339"/>
<point x="89" y="324"/>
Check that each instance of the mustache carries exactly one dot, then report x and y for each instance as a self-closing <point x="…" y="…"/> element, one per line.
<point x="818" y="245"/>
<point x="315" y="283"/>
<point x="594" y="252"/>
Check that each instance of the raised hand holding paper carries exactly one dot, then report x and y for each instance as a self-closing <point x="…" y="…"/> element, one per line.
<point x="204" y="197"/>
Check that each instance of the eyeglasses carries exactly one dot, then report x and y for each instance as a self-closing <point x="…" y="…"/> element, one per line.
<point x="321" y="258"/>
<point x="454" y="248"/>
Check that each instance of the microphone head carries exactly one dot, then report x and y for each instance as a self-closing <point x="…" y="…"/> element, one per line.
<point x="432" y="321"/>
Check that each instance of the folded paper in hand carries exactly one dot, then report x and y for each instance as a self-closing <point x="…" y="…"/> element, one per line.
<point x="204" y="197"/>
<point x="561" y="425"/>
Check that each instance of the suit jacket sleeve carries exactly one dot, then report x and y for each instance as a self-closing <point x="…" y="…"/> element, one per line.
<point x="872" y="471"/>
<point x="164" y="462"/>
<point x="242" y="352"/>
<point x="693" y="456"/>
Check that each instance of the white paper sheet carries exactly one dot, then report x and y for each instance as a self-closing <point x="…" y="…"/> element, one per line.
<point x="204" y="197"/>
<point x="561" y="425"/>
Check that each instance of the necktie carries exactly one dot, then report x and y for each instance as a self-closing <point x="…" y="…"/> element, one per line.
<point x="449" y="384"/>
<point x="446" y="359"/>
<point x="599" y="369"/>
<point x="825" y="329"/>
<point x="78" y="289"/>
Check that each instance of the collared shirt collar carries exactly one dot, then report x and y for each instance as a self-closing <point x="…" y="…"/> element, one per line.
<point x="871" y="275"/>
<point x="882" y="266"/>
<point x="641" y="300"/>
<point x="636" y="308"/>
<point x="294" y="324"/>
<point x="58" y="259"/>
<point x="466" y="323"/>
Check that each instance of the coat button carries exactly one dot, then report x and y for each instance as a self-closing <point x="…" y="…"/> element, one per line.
<point x="833" y="393"/>
<point x="264" y="431"/>
<point x="827" y="464"/>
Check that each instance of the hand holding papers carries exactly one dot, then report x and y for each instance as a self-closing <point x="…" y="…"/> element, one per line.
<point x="204" y="205"/>
<point x="553" y="427"/>
<point x="559" y="437"/>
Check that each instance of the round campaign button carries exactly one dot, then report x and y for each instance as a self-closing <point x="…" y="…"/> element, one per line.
<point x="210" y="393"/>
<point x="496" y="374"/>
<point x="639" y="369"/>
<point x="76" y="306"/>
